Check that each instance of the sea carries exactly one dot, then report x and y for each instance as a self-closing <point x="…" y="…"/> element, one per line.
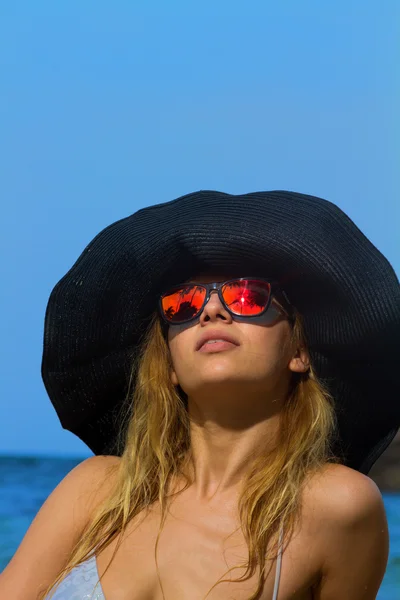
<point x="26" y="482"/>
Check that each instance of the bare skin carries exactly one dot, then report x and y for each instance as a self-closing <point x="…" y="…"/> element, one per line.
<point x="194" y="551"/>
<point x="338" y="550"/>
<point x="235" y="396"/>
<point x="234" y="400"/>
<point x="226" y="430"/>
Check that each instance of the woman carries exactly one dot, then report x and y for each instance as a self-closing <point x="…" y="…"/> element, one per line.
<point x="230" y="359"/>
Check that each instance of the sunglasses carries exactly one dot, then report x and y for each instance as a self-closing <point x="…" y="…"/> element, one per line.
<point x="244" y="297"/>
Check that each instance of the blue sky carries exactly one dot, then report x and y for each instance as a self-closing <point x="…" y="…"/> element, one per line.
<point x="109" y="107"/>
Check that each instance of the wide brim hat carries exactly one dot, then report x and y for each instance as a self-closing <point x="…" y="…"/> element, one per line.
<point x="345" y="289"/>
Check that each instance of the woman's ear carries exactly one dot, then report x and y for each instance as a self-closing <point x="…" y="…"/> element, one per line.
<point x="300" y="363"/>
<point x="174" y="378"/>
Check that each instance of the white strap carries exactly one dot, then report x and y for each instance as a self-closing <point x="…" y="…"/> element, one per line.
<point x="278" y="567"/>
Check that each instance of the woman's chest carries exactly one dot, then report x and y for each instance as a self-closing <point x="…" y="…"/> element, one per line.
<point x="195" y="549"/>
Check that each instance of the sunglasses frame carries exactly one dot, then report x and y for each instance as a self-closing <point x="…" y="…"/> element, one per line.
<point x="275" y="292"/>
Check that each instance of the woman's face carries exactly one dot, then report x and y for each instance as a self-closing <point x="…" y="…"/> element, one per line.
<point x="260" y="362"/>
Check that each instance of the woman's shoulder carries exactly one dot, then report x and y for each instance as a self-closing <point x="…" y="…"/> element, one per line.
<point x="95" y="477"/>
<point x="346" y="521"/>
<point x="340" y="492"/>
<point x="100" y="463"/>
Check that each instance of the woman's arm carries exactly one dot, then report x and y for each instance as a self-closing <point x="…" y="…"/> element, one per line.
<point x="354" y="538"/>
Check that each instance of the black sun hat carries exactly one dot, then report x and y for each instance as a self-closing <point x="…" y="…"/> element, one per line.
<point x="345" y="289"/>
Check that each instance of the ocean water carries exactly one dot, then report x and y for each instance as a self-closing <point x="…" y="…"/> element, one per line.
<point x="25" y="483"/>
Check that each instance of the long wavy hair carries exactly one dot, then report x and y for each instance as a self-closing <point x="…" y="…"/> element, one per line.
<point x="155" y="449"/>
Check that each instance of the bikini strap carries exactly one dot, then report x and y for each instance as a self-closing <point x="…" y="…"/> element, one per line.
<point x="278" y="565"/>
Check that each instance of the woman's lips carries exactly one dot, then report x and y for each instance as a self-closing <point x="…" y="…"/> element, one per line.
<point x="217" y="346"/>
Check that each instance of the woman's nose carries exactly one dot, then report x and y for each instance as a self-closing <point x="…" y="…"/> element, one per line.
<point x="214" y="307"/>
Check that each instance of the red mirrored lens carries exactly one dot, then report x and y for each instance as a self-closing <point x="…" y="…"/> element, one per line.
<point x="183" y="303"/>
<point x="247" y="297"/>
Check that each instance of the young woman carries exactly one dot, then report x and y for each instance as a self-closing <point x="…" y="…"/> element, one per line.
<point x="223" y="357"/>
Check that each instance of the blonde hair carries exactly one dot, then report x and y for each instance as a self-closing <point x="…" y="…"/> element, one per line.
<point x="155" y="448"/>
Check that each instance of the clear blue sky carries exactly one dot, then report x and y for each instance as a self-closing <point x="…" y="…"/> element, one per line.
<point x="107" y="107"/>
